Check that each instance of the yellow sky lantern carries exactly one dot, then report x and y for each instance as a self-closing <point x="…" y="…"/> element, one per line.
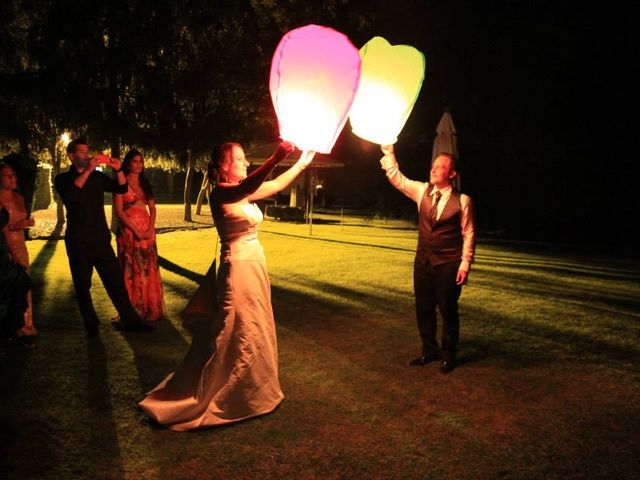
<point x="390" y="81"/>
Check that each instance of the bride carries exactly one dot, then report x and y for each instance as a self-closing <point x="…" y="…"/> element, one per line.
<point x="230" y="372"/>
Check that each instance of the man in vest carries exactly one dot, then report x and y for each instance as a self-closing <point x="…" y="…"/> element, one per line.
<point x="446" y="245"/>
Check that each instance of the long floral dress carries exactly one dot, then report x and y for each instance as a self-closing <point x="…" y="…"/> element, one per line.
<point x="139" y="261"/>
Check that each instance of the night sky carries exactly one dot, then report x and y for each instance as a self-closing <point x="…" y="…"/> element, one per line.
<point x="542" y="95"/>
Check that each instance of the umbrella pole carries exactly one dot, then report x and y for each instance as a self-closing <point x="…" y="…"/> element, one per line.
<point x="310" y="205"/>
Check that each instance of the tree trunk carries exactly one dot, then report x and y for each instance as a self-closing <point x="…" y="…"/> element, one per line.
<point x="188" y="181"/>
<point x="24" y="146"/>
<point x="170" y="185"/>
<point x="55" y="154"/>
<point x="115" y="152"/>
<point x="204" y="191"/>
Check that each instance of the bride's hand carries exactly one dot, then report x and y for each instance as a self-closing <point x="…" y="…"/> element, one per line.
<point x="306" y="158"/>
<point x="283" y="151"/>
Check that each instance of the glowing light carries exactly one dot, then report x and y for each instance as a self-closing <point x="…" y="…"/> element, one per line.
<point x="314" y="77"/>
<point x="65" y="138"/>
<point x="391" y="79"/>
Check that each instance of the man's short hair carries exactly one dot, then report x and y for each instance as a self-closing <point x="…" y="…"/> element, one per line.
<point x="71" y="147"/>
<point x="454" y="162"/>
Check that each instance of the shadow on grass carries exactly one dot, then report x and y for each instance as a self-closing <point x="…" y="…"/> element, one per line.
<point x="341" y="242"/>
<point x="14" y="357"/>
<point x="520" y="342"/>
<point x="12" y="361"/>
<point x="35" y="434"/>
<point x="158" y="353"/>
<point x="517" y="341"/>
<point x="374" y="341"/>
<point x="576" y="252"/>
<point x="528" y="343"/>
<point x="559" y="267"/>
<point x="16" y="435"/>
<point x="563" y="291"/>
<point x="39" y="267"/>
<point x="190" y="226"/>
<point x="364" y="224"/>
<point x="103" y="434"/>
<point x="348" y="295"/>
<point x="178" y="270"/>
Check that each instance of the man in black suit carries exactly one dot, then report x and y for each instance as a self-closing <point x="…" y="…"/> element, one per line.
<point x="446" y="245"/>
<point x="87" y="238"/>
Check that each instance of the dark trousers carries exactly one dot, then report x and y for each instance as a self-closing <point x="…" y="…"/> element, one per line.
<point x="436" y="286"/>
<point x="82" y="260"/>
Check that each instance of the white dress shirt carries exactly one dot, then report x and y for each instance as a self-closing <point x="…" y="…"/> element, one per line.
<point x="415" y="190"/>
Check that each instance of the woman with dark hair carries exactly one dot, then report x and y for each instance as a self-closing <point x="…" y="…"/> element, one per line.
<point x="15" y="285"/>
<point x="136" y="238"/>
<point x="230" y="372"/>
<point x="13" y="233"/>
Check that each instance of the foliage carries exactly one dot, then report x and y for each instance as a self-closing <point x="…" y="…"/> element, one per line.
<point x="170" y="77"/>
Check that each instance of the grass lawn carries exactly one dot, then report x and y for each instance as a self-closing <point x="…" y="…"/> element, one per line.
<point x="548" y="385"/>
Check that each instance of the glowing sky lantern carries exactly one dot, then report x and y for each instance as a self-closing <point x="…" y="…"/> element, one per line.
<point x="389" y="85"/>
<point x="314" y="76"/>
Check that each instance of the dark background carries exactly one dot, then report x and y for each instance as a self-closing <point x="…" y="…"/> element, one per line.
<point x="542" y="95"/>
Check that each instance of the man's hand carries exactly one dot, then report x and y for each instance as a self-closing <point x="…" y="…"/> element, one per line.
<point x="94" y="162"/>
<point x="389" y="159"/>
<point x="461" y="277"/>
<point x="387" y="149"/>
<point x="387" y="162"/>
<point x="115" y="163"/>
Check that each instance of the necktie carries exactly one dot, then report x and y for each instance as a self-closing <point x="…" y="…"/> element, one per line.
<point x="434" y="207"/>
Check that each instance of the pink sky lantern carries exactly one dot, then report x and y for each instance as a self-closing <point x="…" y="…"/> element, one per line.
<point x="391" y="79"/>
<point x="314" y="77"/>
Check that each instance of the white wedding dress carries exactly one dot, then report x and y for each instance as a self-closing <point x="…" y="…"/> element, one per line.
<point x="230" y="372"/>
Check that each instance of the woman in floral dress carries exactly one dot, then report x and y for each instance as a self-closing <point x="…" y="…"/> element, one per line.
<point x="136" y="238"/>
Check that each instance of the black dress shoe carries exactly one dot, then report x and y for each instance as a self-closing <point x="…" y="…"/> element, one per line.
<point x="447" y="366"/>
<point x="131" y="327"/>
<point x="423" y="360"/>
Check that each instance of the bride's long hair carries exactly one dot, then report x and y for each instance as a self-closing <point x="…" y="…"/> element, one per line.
<point x="220" y="157"/>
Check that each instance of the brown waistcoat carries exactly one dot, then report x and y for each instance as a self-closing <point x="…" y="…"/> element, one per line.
<point x="442" y="242"/>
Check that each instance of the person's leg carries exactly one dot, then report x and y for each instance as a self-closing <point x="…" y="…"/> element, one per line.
<point x="424" y="291"/>
<point x="81" y="265"/>
<point x="111" y="276"/>
<point x="448" y="294"/>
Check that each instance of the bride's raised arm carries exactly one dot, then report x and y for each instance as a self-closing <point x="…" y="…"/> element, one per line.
<point x="283" y="180"/>
<point x="231" y="193"/>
